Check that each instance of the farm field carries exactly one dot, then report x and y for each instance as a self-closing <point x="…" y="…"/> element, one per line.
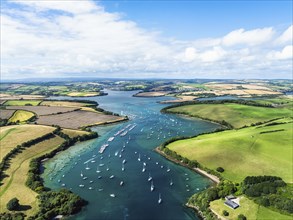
<point x="14" y="185"/>
<point x="22" y="102"/>
<point x="248" y="208"/>
<point x="5" y="97"/>
<point x="65" y="104"/>
<point x="73" y="133"/>
<point x="151" y="94"/>
<point x="13" y="135"/>
<point x="77" y="119"/>
<point x="83" y="94"/>
<point x="44" y="110"/>
<point x="6" y="114"/>
<point x="21" y="116"/>
<point x="235" y="114"/>
<point x="261" y="150"/>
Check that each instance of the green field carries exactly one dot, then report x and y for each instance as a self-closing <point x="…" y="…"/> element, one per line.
<point x="11" y="136"/>
<point x="21" y="116"/>
<point x="248" y="208"/>
<point x="74" y="133"/>
<point x="22" y="102"/>
<point x="14" y="184"/>
<point x="235" y="114"/>
<point x="243" y="152"/>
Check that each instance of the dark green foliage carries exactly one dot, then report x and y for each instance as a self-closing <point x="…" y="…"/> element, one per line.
<point x="225" y="213"/>
<point x="220" y="169"/>
<point x="241" y="217"/>
<point x="13" y="204"/>
<point x="62" y="202"/>
<point x="11" y="216"/>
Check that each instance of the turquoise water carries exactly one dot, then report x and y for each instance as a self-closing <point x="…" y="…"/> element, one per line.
<point x="134" y="199"/>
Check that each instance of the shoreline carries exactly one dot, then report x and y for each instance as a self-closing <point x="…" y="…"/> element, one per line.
<point x="213" y="178"/>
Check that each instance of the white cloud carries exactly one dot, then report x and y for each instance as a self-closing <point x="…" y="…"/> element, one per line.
<point x="286" y="53"/>
<point x="60" y="38"/>
<point x="286" y="37"/>
<point x="251" y="37"/>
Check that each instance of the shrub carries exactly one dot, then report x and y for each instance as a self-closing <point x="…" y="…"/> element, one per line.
<point x="241" y="217"/>
<point x="220" y="169"/>
<point x="225" y="213"/>
<point x="13" y="204"/>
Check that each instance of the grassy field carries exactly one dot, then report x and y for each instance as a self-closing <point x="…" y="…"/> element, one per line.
<point x="235" y="114"/>
<point x="22" y="102"/>
<point x="243" y="152"/>
<point x="14" y="185"/>
<point x="65" y="104"/>
<point x="21" y="116"/>
<point x="73" y="133"/>
<point x="248" y="208"/>
<point x="13" y="135"/>
<point x="83" y="94"/>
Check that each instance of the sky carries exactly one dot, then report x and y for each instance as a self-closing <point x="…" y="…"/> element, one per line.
<point x="146" y="39"/>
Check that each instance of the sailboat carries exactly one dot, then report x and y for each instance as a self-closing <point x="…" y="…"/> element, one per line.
<point x="150" y="178"/>
<point x="107" y="168"/>
<point x="87" y="166"/>
<point x="160" y="199"/>
<point x="152" y="186"/>
<point x="98" y="170"/>
<point x="81" y="174"/>
<point x="123" y="167"/>
<point x="121" y="183"/>
<point x="143" y="168"/>
<point x="171" y="183"/>
<point x="168" y="170"/>
<point x="138" y="157"/>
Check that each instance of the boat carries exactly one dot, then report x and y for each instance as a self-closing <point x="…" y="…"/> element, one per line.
<point x="63" y="184"/>
<point x="171" y="183"/>
<point x="152" y="186"/>
<point x="111" y="139"/>
<point x="144" y="163"/>
<point x="98" y="170"/>
<point x="100" y="190"/>
<point x="111" y="177"/>
<point x="124" y="161"/>
<point x="99" y="177"/>
<point x="160" y="199"/>
<point x="81" y="185"/>
<point x="150" y="177"/>
<point x="123" y="167"/>
<point x="113" y="195"/>
<point x="81" y="174"/>
<point x="138" y="157"/>
<point x="84" y="178"/>
<point x="162" y="166"/>
<point x="121" y="183"/>
<point x="87" y="167"/>
<point x="168" y="170"/>
<point x="120" y="155"/>
<point x="101" y="164"/>
<point x="103" y="148"/>
<point x="107" y="168"/>
<point x="91" y="181"/>
<point x="90" y="188"/>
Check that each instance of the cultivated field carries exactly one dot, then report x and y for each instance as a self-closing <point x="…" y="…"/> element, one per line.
<point x="14" y="185"/>
<point x="65" y="104"/>
<point x="261" y="150"/>
<point x="235" y="114"/>
<point x="18" y="97"/>
<point x="83" y="94"/>
<point x="44" y="110"/>
<point x="21" y="116"/>
<point x="13" y="135"/>
<point x="22" y="102"/>
<point x="180" y="98"/>
<point x="248" y="208"/>
<point x="77" y="119"/>
<point x="6" y="114"/>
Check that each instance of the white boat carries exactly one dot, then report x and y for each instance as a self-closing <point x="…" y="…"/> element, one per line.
<point x="160" y="199"/>
<point x="90" y="188"/>
<point x="84" y="178"/>
<point x="81" y="185"/>
<point x="150" y="177"/>
<point x="112" y="195"/>
<point x="107" y="168"/>
<point x="103" y="148"/>
<point x="171" y="183"/>
<point x="138" y="157"/>
<point x="123" y="167"/>
<point x="111" y="139"/>
<point x="116" y="153"/>
<point x="100" y="190"/>
<point x="63" y="184"/>
<point x="121" y="183"/>
<point x="152" y="186"/>
<point x="98" y="170"/>
<point x="168" y="170"/>
<point x="99" y="177"/>
<point x="144" y="163"/>
<point x="81" y="174"/>
<point x="101" y="164"/>
<point x="87" y="167"/>
<point x="143" y="168"/>
<point x="111" y="177"/>
<point x="120" y="155"/>
<point x="124" y="161"/>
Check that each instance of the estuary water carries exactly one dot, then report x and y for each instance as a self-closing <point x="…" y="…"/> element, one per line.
<point x="116" y="183"/>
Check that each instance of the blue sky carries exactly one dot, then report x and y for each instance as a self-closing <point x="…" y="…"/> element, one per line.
<point x="146" y="39"/>
<point x="188" y="20"/>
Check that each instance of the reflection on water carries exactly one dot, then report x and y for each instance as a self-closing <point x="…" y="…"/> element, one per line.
<point x="118" y="183"/>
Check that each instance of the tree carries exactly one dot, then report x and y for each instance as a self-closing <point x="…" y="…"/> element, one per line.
<point x="241" y="217"/>
<point x="13" y="204"/>
<point x="220" y="169"/>
<point x="225" y="213"/>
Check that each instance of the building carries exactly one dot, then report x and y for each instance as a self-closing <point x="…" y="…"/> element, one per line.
<point x="231" y="204"/>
